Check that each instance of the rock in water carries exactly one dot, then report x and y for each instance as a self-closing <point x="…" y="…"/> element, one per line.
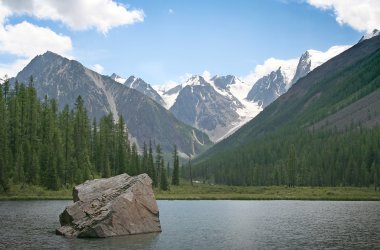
<point x="119" y="205"/>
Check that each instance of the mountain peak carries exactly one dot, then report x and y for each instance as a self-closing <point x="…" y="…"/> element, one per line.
<point x="118" y="78"/>
<point x="374" y="33"/>
<point x="196" y="80"/>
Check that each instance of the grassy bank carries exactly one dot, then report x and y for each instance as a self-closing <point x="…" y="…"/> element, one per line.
<point x="215" y="192"/>
<point x="222" y="192"/>
<point x="18" y="192"/>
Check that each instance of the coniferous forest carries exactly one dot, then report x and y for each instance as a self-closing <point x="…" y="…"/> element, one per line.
<point x="301" y="158"/>
<point x="41" y="145"/>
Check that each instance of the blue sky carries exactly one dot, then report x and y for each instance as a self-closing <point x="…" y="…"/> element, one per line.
<point x="188" y="36"/>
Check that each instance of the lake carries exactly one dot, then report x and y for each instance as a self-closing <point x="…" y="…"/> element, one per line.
<point x="210" y="225"/>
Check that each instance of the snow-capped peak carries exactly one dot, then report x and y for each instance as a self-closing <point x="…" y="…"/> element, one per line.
<point x="196" y="80"/>
<point x="374" y="33"/>
<point x="118" y="78"/>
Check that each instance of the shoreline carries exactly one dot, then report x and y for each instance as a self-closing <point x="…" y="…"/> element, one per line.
<point x="217" y="192"/>
<point x="36" y="198"/>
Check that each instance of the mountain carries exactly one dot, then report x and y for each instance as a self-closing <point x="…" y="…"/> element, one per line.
<point x="202" y="105"/>
<point x="326" y="111"/>
<point x="139" y="85"/>
<point x="64" y="80"/>
<point x="118" y="78"/>
<point x="170" y="95"/>
<point x="145" y="88"/>
<point x="303" y="67"/>
<point x="269" y="87"/>
<point x="224" y="82"/>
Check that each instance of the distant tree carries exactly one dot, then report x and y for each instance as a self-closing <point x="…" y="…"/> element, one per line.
<point x="190" y="173"/>
<point x="158" y="162"/>
<point x="164" y="184"/>
<point x="151" y="168"/>
<point x="292" y="166"/>
<point x="144" y="160"/>
<point x="175" y="175"/>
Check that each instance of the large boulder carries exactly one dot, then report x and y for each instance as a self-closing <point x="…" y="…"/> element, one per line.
<point x="119" y="205"/>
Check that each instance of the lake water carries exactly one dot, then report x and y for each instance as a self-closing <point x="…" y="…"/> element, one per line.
<point x="209" y="225"/>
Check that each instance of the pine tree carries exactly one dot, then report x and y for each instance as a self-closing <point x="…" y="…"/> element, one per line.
<point x="151" y="168"/>
<point x="175" y="175"/>
<point x="144" y="160"/>
<point x="31" y="107"/>
<point x="134" y="167"/>
<point x="164" y="184"/>
<point x="3" y="144"/>
<point x="81" y="142"/>
<point x="158" y="162"/>
<point x="122" y="147"/>
<point x="66" y="119"/>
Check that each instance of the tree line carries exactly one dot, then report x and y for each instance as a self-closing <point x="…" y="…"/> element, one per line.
<point x="41" y="145"/>
<point x="301" y="157"/>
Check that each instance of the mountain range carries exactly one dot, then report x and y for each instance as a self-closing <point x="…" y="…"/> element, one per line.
<point x="192" y="115"/>
<point x="64" y="80"/>
<point x="220" y="105"/>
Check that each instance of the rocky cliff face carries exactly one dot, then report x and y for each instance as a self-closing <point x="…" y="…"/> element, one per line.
<point x="145" y="88"/>
<point x="200" y="104"/>
<point x="303" y="67"/>
<point x="119" y="205"/>
<point x="268" y="88"/>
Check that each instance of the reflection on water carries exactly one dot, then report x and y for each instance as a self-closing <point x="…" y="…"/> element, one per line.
<point x="209" y="225"/>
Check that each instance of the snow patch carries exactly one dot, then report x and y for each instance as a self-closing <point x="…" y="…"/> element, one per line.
<point x="317" y="57"/>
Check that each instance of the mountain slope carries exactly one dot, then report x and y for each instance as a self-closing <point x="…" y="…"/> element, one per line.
<point x="145" y="88"/>
<point x="347" y="81"/>
<point x="201" y="105"/>
<point x="64" y="80"/>
<point x="268" y="88"/>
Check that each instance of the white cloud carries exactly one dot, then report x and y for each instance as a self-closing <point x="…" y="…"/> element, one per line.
<point x="13" y="68"/>
<point x="27" y="40"/>
<point x="206" y="75"/>
<point x="289" y="66"/>
<point x="320" y="57"/>
<point x="24" y="40"/>
<point x="76" y="14"/>
<point x="183" y="78"/>
<point x="98" y="68"/>
<point x="362" y="15"/>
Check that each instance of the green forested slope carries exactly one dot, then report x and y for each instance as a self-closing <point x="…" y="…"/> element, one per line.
<point x="281" y="146"/>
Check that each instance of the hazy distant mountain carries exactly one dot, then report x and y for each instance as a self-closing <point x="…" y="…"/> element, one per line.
<point x="145" y="88"/>
<point x="269" y="87"/>
<point x="303" y="67"/>
<point x="64" y="79"/>
<point x="139" y="85"/>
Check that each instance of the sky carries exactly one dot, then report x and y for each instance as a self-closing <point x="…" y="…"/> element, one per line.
<point x="164" y="41"/>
